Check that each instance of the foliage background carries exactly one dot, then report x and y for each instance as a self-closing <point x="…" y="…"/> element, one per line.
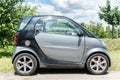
<point x="11" y="11"/>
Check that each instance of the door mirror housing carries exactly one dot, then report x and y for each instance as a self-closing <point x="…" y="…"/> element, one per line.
<point x="80" y="34"/>
<point x="75" y="33"/>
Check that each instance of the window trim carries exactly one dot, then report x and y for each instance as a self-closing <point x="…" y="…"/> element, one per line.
<point x="30" y="18"/>
<point x="57" y="17"/>
<point x="69" y="21"/>
<point x="35" y="26"/>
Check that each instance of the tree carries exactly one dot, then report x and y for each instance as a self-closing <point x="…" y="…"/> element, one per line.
<point x="10" y="13"/>
<point x="108" y="32"/>
<point x="118" y="32"/>
<point x="96" y="28"/>
<point x="111" y="16"/>
<point x="101" y="33"/>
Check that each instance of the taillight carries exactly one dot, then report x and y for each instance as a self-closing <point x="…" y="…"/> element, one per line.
<point x="15" y="39"/>
<point x="16" y="35"/>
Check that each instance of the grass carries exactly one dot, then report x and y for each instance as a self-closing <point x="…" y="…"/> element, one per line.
<point x="113" y="46"/>
<point x="5" y="59"/>
<point x="115" y="60"/>
<point x="6" y="65"/>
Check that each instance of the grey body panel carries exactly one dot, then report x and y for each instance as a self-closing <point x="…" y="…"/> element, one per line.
<point x="94" y="45"/>
<point x="92" y="51"/>
<point x="20" y="49"/>
<point x="61" y="47"/>
<point x="81" y="64"/>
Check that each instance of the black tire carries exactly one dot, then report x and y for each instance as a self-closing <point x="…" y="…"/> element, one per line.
<point x="95" y="66"/>
<point x="21" y="63"/>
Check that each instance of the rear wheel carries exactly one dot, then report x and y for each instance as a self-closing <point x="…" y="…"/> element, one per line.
<point x="97" y="64"/>
<point x="25" y="64"/>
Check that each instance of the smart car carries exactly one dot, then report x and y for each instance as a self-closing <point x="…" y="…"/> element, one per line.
<point x="49" y="41"/>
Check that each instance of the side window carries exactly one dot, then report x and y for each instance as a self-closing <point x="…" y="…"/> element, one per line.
<point x="60" y="26"/>
<point x="39" y="26"/>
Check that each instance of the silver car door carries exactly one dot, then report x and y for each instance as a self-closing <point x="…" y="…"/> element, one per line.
<point x="60" y="41"/>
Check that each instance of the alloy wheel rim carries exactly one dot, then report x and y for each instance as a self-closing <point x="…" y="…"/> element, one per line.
<point x="98" y="64"/>
<point x="24" y="64"/>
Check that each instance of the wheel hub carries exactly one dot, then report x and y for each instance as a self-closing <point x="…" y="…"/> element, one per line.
<point x="24" y="64"/>
<point x="98" y="64"/>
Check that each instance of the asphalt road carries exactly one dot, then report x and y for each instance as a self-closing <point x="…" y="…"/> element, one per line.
<point x="62" y="74"/>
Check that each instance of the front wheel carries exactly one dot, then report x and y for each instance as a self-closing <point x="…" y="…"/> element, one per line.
<point x="25" y="64"/>
<point x="97" y="64"/>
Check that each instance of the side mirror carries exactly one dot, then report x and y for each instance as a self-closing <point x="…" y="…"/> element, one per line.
<point x="75" y="33"/>
<point x="80" y="34"/>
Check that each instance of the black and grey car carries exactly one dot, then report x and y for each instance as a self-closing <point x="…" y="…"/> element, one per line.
<point x="49" y="41"/>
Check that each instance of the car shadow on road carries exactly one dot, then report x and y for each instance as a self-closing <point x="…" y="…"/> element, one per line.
<point x="63" y="71"/>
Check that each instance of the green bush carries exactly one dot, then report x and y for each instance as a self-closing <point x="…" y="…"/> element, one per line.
<point x="112" y="44"/>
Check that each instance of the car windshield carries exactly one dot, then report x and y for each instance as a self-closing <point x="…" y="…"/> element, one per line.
<point x="88" y="33"/>
<point x="24" y="21"/>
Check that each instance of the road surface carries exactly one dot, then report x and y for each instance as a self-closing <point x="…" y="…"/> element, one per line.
<point x="62" y="74"/>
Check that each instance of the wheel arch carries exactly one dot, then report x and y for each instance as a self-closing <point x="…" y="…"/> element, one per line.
<point x="94" y="51"/>
<point x="100" y="53"/>
<point x="26" y="51"/>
